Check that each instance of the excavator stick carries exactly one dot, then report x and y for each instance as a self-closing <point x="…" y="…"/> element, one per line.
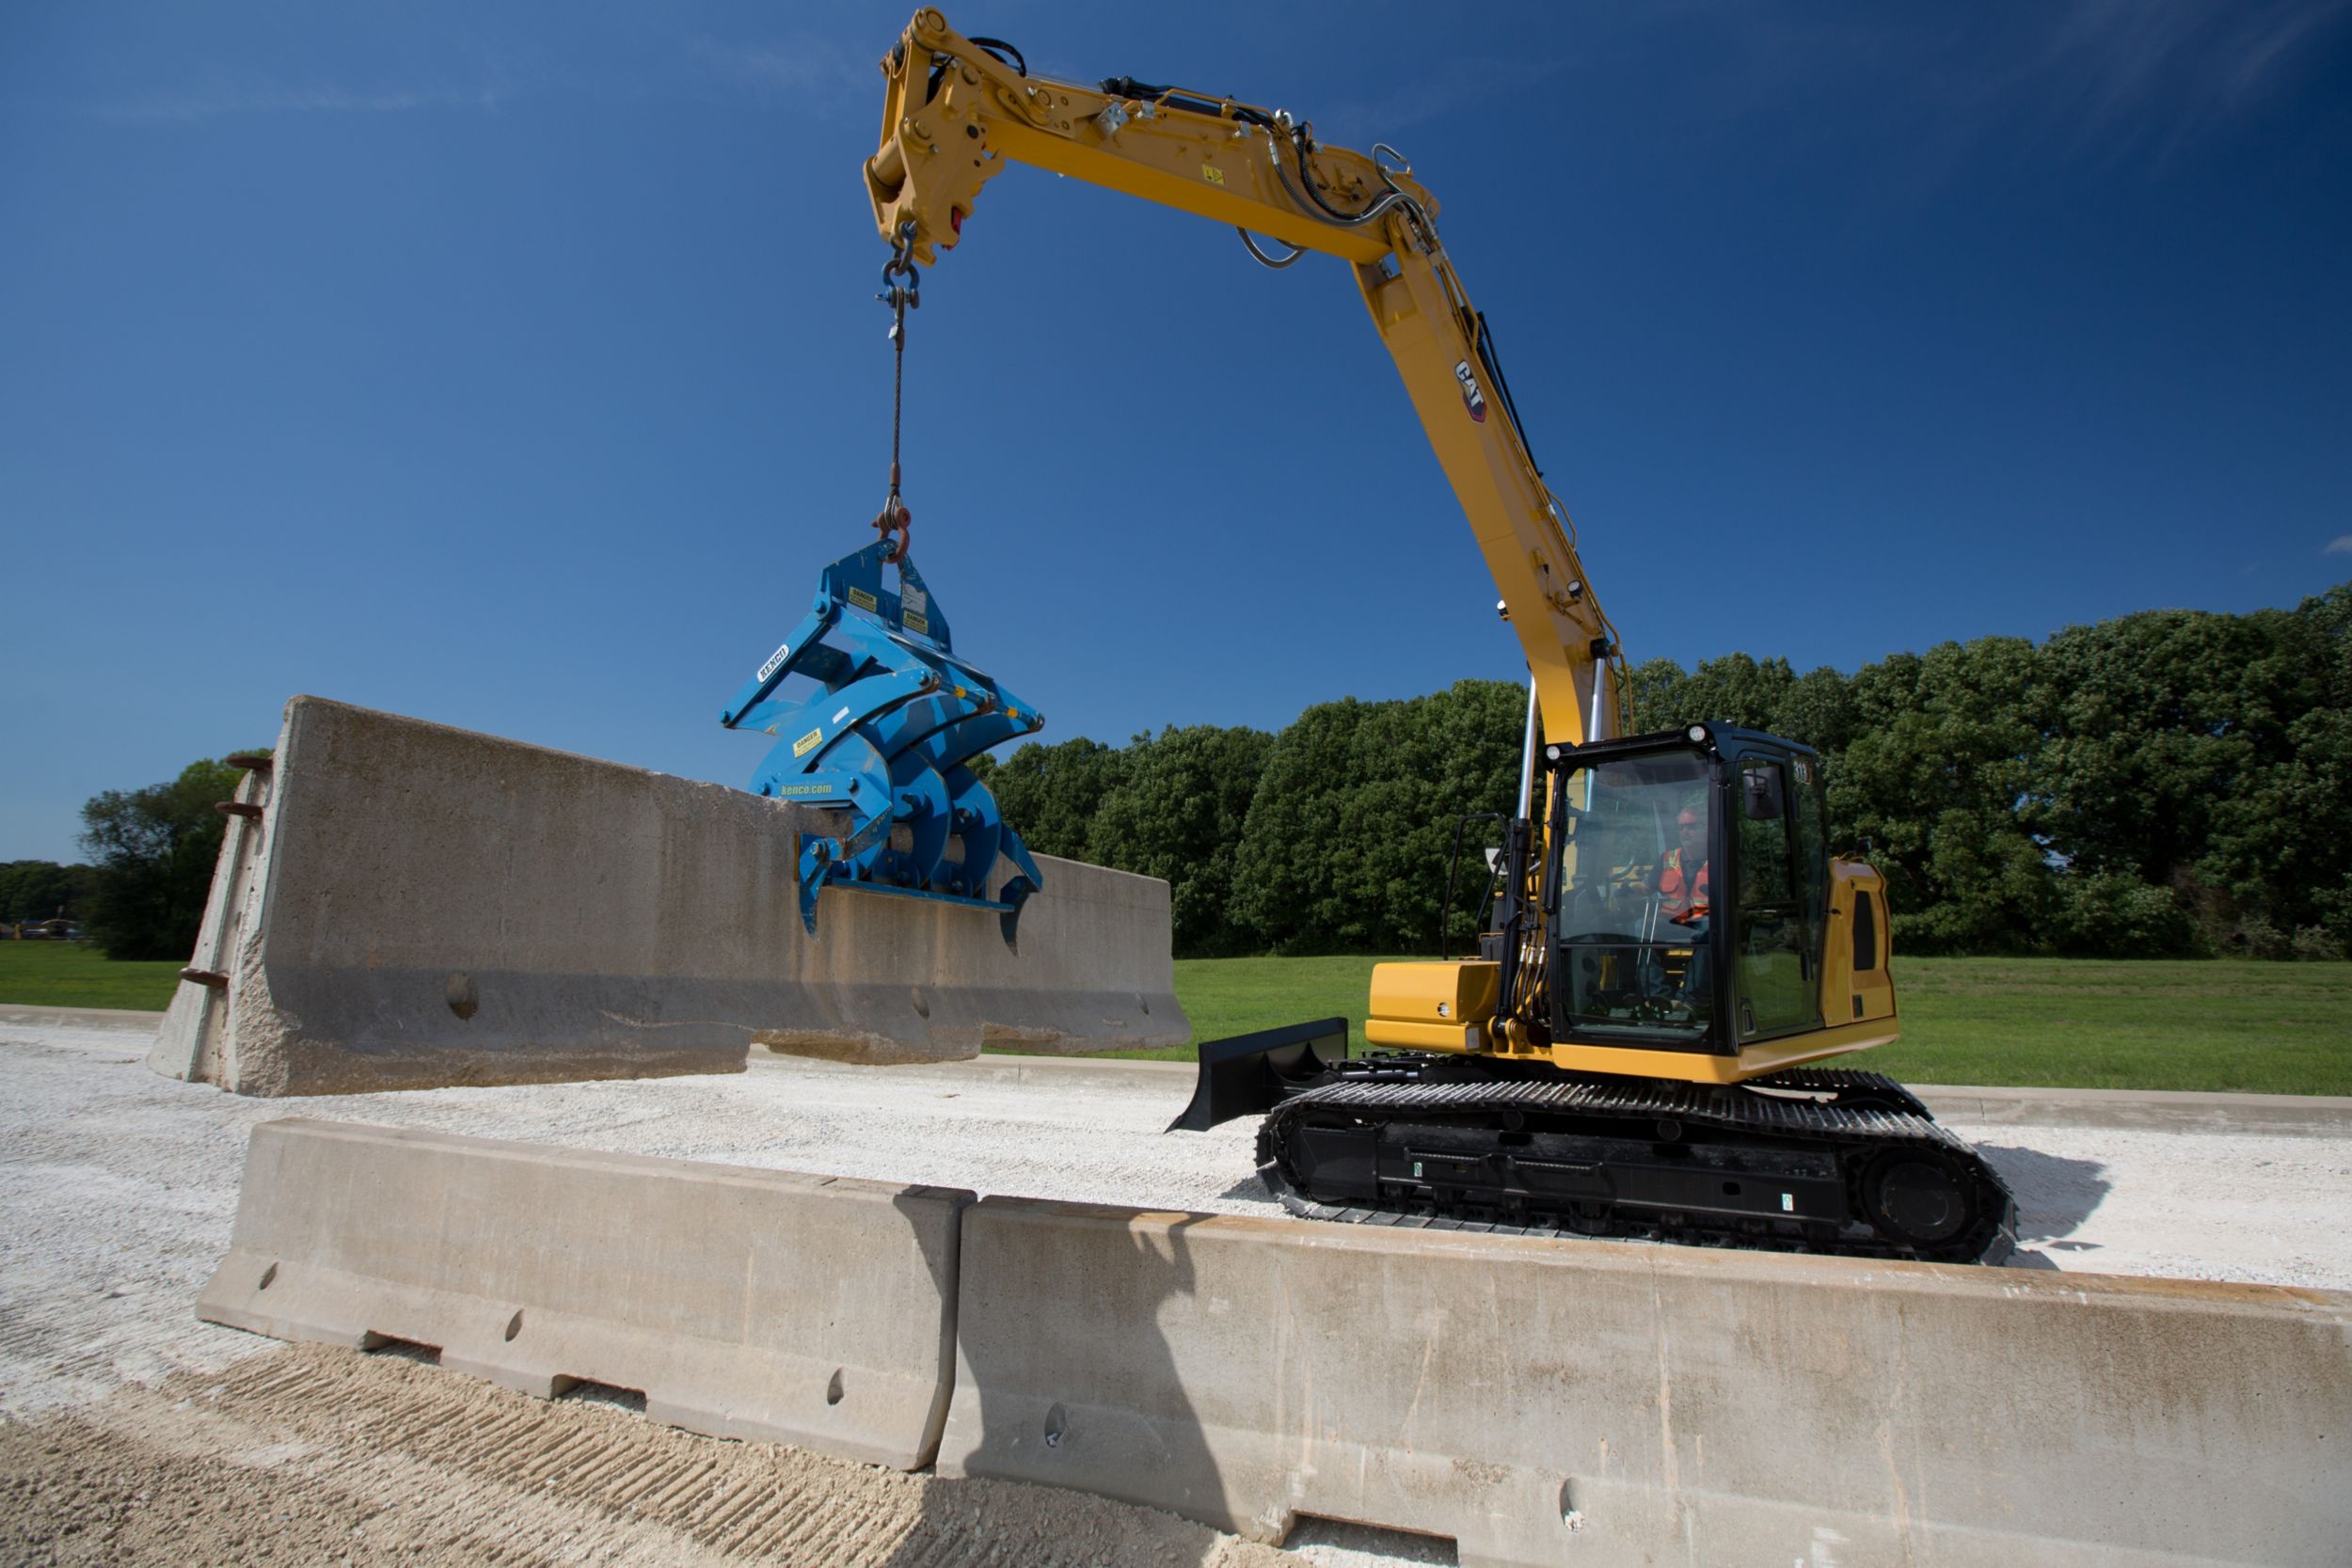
<point x="1247" y="1075"/>
<point x="887" y="736"/>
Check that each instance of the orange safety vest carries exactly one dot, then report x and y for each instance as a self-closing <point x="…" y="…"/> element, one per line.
<point x="1682" y="900"/>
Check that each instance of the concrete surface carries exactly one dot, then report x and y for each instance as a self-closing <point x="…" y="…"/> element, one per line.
<point x="39" y="1016"/>
<point x="419" y="906"/>
<point x="84" y="1131"/>
<point x="2316" y="1115"/>
<point x="312" y="1455"/>
<point x="739" y="1302"/>
<point x="1620" y="1405"/>
<point x="118" y="1190"/>
<point x="2152" y="1110"/>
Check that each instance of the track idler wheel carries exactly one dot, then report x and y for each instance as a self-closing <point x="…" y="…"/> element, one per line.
<point x="1918" y="1198"/>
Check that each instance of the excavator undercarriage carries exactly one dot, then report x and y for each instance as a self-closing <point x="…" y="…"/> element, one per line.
<point x="1823" y="1160"/>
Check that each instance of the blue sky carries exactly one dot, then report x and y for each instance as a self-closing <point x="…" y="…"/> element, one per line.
<point x="518" y="367"/>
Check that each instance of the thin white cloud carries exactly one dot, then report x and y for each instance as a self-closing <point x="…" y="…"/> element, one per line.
<point x="814" y="75"/>
<point x="2125" y="68"/>
<point x="218" y="99"/>
<point x="2091" y="77"/>
<point x="2340" y="545"/>
<point x="820" y="75"/>
<point x="1435" y="88"/>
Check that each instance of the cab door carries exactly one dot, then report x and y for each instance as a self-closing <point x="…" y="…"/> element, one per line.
<point x="1775" y="906"/>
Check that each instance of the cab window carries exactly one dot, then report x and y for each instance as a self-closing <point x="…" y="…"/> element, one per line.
<point x="1865" y="933"/>
<point x="1636" y="891"/>
<point x="1772" y="945"/>
<point x="1812" y="855"/>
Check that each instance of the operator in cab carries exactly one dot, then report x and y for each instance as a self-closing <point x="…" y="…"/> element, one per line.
<point x="1682" y="887"/>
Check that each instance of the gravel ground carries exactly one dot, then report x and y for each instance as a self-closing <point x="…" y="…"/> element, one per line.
<point x="118" y="1189"/>
<point x="314" y="1454"/>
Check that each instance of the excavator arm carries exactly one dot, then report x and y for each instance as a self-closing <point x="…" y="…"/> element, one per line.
<point x="959" y="109"/>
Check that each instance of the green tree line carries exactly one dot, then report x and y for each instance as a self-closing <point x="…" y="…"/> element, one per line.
<point x="43" y="890"/>
<point x="151" y="853"/>
<point x="2168" y="784"/>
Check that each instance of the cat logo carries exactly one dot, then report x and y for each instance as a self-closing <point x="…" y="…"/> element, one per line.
<point x="1473" y="399"/>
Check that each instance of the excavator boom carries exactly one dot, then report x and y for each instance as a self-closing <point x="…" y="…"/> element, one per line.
<point x="957" y="112"/>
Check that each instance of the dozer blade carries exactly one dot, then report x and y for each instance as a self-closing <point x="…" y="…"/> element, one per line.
<point x="1247" y="1075"/>
<point x="887" y="737"/>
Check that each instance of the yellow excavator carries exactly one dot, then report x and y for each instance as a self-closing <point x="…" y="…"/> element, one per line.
<point x="1669" y="942"/>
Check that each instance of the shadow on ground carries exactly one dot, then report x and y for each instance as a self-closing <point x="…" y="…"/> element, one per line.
<point x="1252" y="1190"/>
<point x="1346" y="1541"/>
<point x="2054" y="1195"/>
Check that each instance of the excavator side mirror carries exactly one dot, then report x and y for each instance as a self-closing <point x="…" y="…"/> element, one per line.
<point x="1762" y="795"/>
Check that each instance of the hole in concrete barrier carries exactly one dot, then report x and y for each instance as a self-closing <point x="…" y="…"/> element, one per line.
<point x="1570" y="1514"/>
<point x="463" y="996"/>
<point x="514" y="1327"/>
<point x="400" y="1348"/>
<point x="269" y="1277"/>
<point x="1056" y="1426"/>
<point x="1145" y="1002"/>
<point x="922" y="1005"/>
<point x="587" y="1390"/>
<point x="833" y="1387"/>
<point x="1346" y="1536"/>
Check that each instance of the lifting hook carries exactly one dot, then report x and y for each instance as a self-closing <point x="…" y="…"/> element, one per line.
<point x="902" y="291"/>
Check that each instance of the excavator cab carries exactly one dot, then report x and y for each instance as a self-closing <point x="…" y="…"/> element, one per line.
<point x="1668" y="916"/>
<point x="1691" y="877"/>
<point x="1674" y="924"/>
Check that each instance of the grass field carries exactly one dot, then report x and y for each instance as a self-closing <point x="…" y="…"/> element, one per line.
<point x="2263" y="1028"/>
<point x="72" y="974"/>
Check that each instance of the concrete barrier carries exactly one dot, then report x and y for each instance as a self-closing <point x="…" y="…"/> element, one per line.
<point x="742" y="1302"/>
<point x="1587" y="1402"/>
<point x="415" y="906"/>
<point x="2291" y="1116"/>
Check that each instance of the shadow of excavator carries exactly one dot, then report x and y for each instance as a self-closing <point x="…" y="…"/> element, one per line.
<point x="2055" y="1195"/>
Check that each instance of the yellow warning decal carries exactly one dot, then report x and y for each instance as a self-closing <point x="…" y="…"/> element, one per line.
<point x="916" y="623"/>
<point x="807" y="743"/>
<point x="863" y="600"/>
<point x="1213" y="174"/>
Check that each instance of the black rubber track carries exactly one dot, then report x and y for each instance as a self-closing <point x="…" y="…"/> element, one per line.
<point x="1859" y="1115"/>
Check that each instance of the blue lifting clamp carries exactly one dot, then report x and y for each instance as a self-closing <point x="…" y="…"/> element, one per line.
<point x="887" y="737"/>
